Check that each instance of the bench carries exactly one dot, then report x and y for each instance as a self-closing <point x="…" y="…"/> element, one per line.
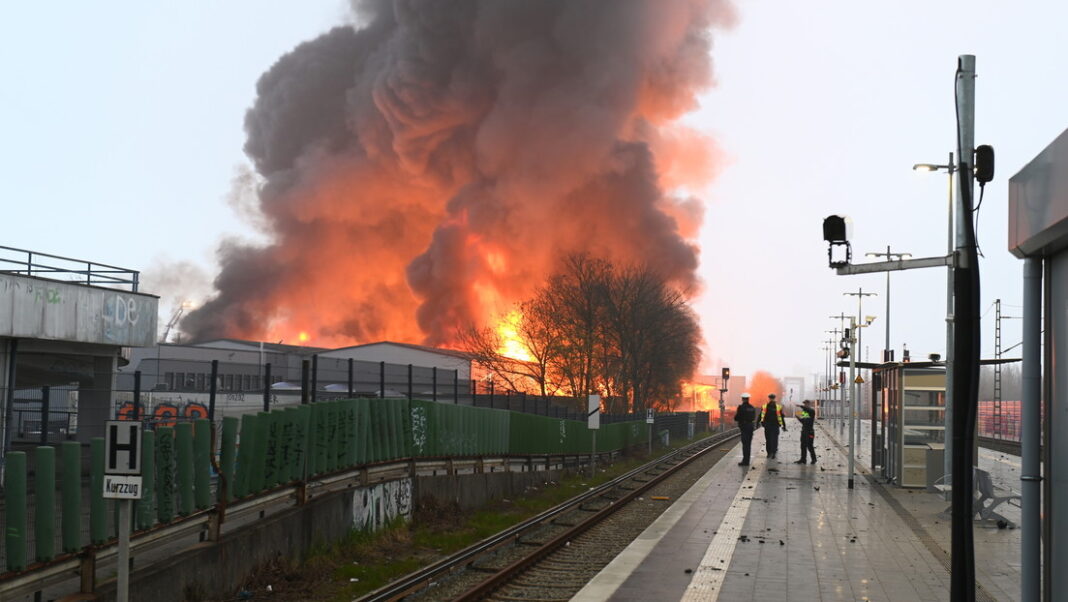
<point x="986" y="499"/>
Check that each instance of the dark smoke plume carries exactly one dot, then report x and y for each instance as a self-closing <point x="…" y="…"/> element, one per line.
<point x="433" y="165"/>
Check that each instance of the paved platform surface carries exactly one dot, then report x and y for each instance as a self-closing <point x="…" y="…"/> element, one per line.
<point x="782" y="531"/>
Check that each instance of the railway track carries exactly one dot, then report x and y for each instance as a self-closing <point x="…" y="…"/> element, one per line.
<point x="554" y="554"/>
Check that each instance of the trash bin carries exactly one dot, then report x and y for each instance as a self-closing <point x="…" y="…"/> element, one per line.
<point x="936" y="457"/>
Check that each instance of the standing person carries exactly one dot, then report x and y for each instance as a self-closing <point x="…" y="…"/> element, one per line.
<point x="745" y="416"/>
<point x="807" y="418"/>
<point x="771" y="419"/>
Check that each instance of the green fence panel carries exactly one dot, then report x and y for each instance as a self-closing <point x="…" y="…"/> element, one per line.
<point x="363" y="431"/>
<point x="144" y="506"/>
<point x="227" y="458"/>
<point x="396" y="437"/>
<point x="420" y="418"/>
<point x="71" y="495"/>
<point x="290" y="418"/>
<point x="45" y="502"/>
<point x="270" y="451"/>
<point x="202" y="440"/>
<point x="246" y="448"/>
<point x="15" y="510"/>
<point x="337" y="437"/>
<point x="375" y="436"/>
<point x="315" y="438"/>
<point x="165" y="473"/>
<point x="257" y="472"/>
<point x="300" y="462"/>
<point x="183" y="439"/>
<point x="350" y="433"/>
<point x="332" y="423"/>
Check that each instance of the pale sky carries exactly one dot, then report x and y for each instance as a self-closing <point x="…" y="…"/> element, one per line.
<point x="122" y="130"/>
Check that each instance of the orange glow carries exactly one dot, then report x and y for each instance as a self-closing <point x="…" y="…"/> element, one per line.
<point x="761" y="385"/>
<point x="302" y="337"/>
<point x="512" y="345"/>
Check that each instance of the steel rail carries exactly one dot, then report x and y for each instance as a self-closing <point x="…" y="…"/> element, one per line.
<point x="421" y="579"/>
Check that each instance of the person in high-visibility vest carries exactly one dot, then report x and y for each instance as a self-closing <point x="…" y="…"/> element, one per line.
<point x="807" y="418"/>
<point x="771" y="419"/>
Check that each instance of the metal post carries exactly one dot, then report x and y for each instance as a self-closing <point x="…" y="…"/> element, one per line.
<point x="409" y="382"/>
<point x="947" y="463"/>
<point x="593" y="456"/>
<point x="381" y="380"/>
<point x="860" y="294"/>
<point x="456" y="387"/>
<point x="351" y="363"/>
<point x="304" y="369"/>
<point x="966" y="339"/>
<point x="852" y="339"/>
<point x="122" y="590"/>
<point x="45" y="411"/>
<point x="137" y="395"/>
<point x="212" y="389"/>
<point x="1030" y="440"/>
<point x="314" y="377"/>
<point x="434" y="383"/>
<point x="266" y="387"/>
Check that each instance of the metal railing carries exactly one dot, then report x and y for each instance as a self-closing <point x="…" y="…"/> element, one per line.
<point x="28" y="263"/>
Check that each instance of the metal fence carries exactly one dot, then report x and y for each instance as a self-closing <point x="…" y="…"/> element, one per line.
<point x="57" y="267"/>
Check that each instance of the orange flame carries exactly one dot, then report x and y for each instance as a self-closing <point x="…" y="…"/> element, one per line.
<point x="512" y="345"/>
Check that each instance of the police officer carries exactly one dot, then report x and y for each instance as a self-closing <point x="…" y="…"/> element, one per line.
<point x="745" y="416"/>
<point x="807" y="418"/>
<point x="771" y="419"/>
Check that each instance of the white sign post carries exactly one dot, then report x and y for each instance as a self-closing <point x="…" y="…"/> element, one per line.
<point x="122" y="482"/>
<point x="593" y="421"/>
<point x="649" y="421"/>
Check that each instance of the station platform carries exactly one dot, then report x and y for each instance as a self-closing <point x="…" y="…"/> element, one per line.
<point x="780" y="531"/>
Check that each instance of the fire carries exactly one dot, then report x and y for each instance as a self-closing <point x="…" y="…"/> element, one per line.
<point x="425" y="199"/>
<point x="699" y="397"/>
<point x="511" y="344"/>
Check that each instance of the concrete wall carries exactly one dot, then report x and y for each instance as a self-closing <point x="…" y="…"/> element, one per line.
<point x="35" y="308"/>
<point x="215" y="570"/>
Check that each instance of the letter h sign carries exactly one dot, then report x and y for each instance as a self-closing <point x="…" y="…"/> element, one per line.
<point x="122" y="450"/>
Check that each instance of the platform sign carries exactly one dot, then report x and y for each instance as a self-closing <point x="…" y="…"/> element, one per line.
<point x="593" y="417"/>
<point x="122" y="448"/>
<point x="859" y="380"/>
<point x="122" y="487"/>
<point x="649" y="416"/>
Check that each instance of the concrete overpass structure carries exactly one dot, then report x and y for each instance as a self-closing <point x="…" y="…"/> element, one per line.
<point x="65" y="323"/>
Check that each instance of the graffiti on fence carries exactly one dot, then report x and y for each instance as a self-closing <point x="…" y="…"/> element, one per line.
<point x="419" y="429"/>
<point x="163" y="414"/>
<point x="374" y="507"/>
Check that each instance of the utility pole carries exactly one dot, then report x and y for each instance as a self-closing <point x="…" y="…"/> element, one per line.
<point x="841" y="317"/>
<point x="860" y="294"/>
<point x="966" y="340"/>
<point x="833" y="366"/>
<point x="851" y="337"/>
<point x="890" y="256"/>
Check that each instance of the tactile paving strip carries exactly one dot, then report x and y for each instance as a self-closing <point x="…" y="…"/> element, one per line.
<point x="708" y="578"/>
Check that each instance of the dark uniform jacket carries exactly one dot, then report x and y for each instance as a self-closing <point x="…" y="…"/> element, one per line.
<point x="745" y="415"/>
<point x="807" y="418"/>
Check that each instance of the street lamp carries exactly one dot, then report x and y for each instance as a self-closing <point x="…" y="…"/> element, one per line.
<point x="888" y="354"/>
<point x="950" y="168"/>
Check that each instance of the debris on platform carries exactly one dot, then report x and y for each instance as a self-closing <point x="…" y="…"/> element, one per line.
<point x="659" y="497"/>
